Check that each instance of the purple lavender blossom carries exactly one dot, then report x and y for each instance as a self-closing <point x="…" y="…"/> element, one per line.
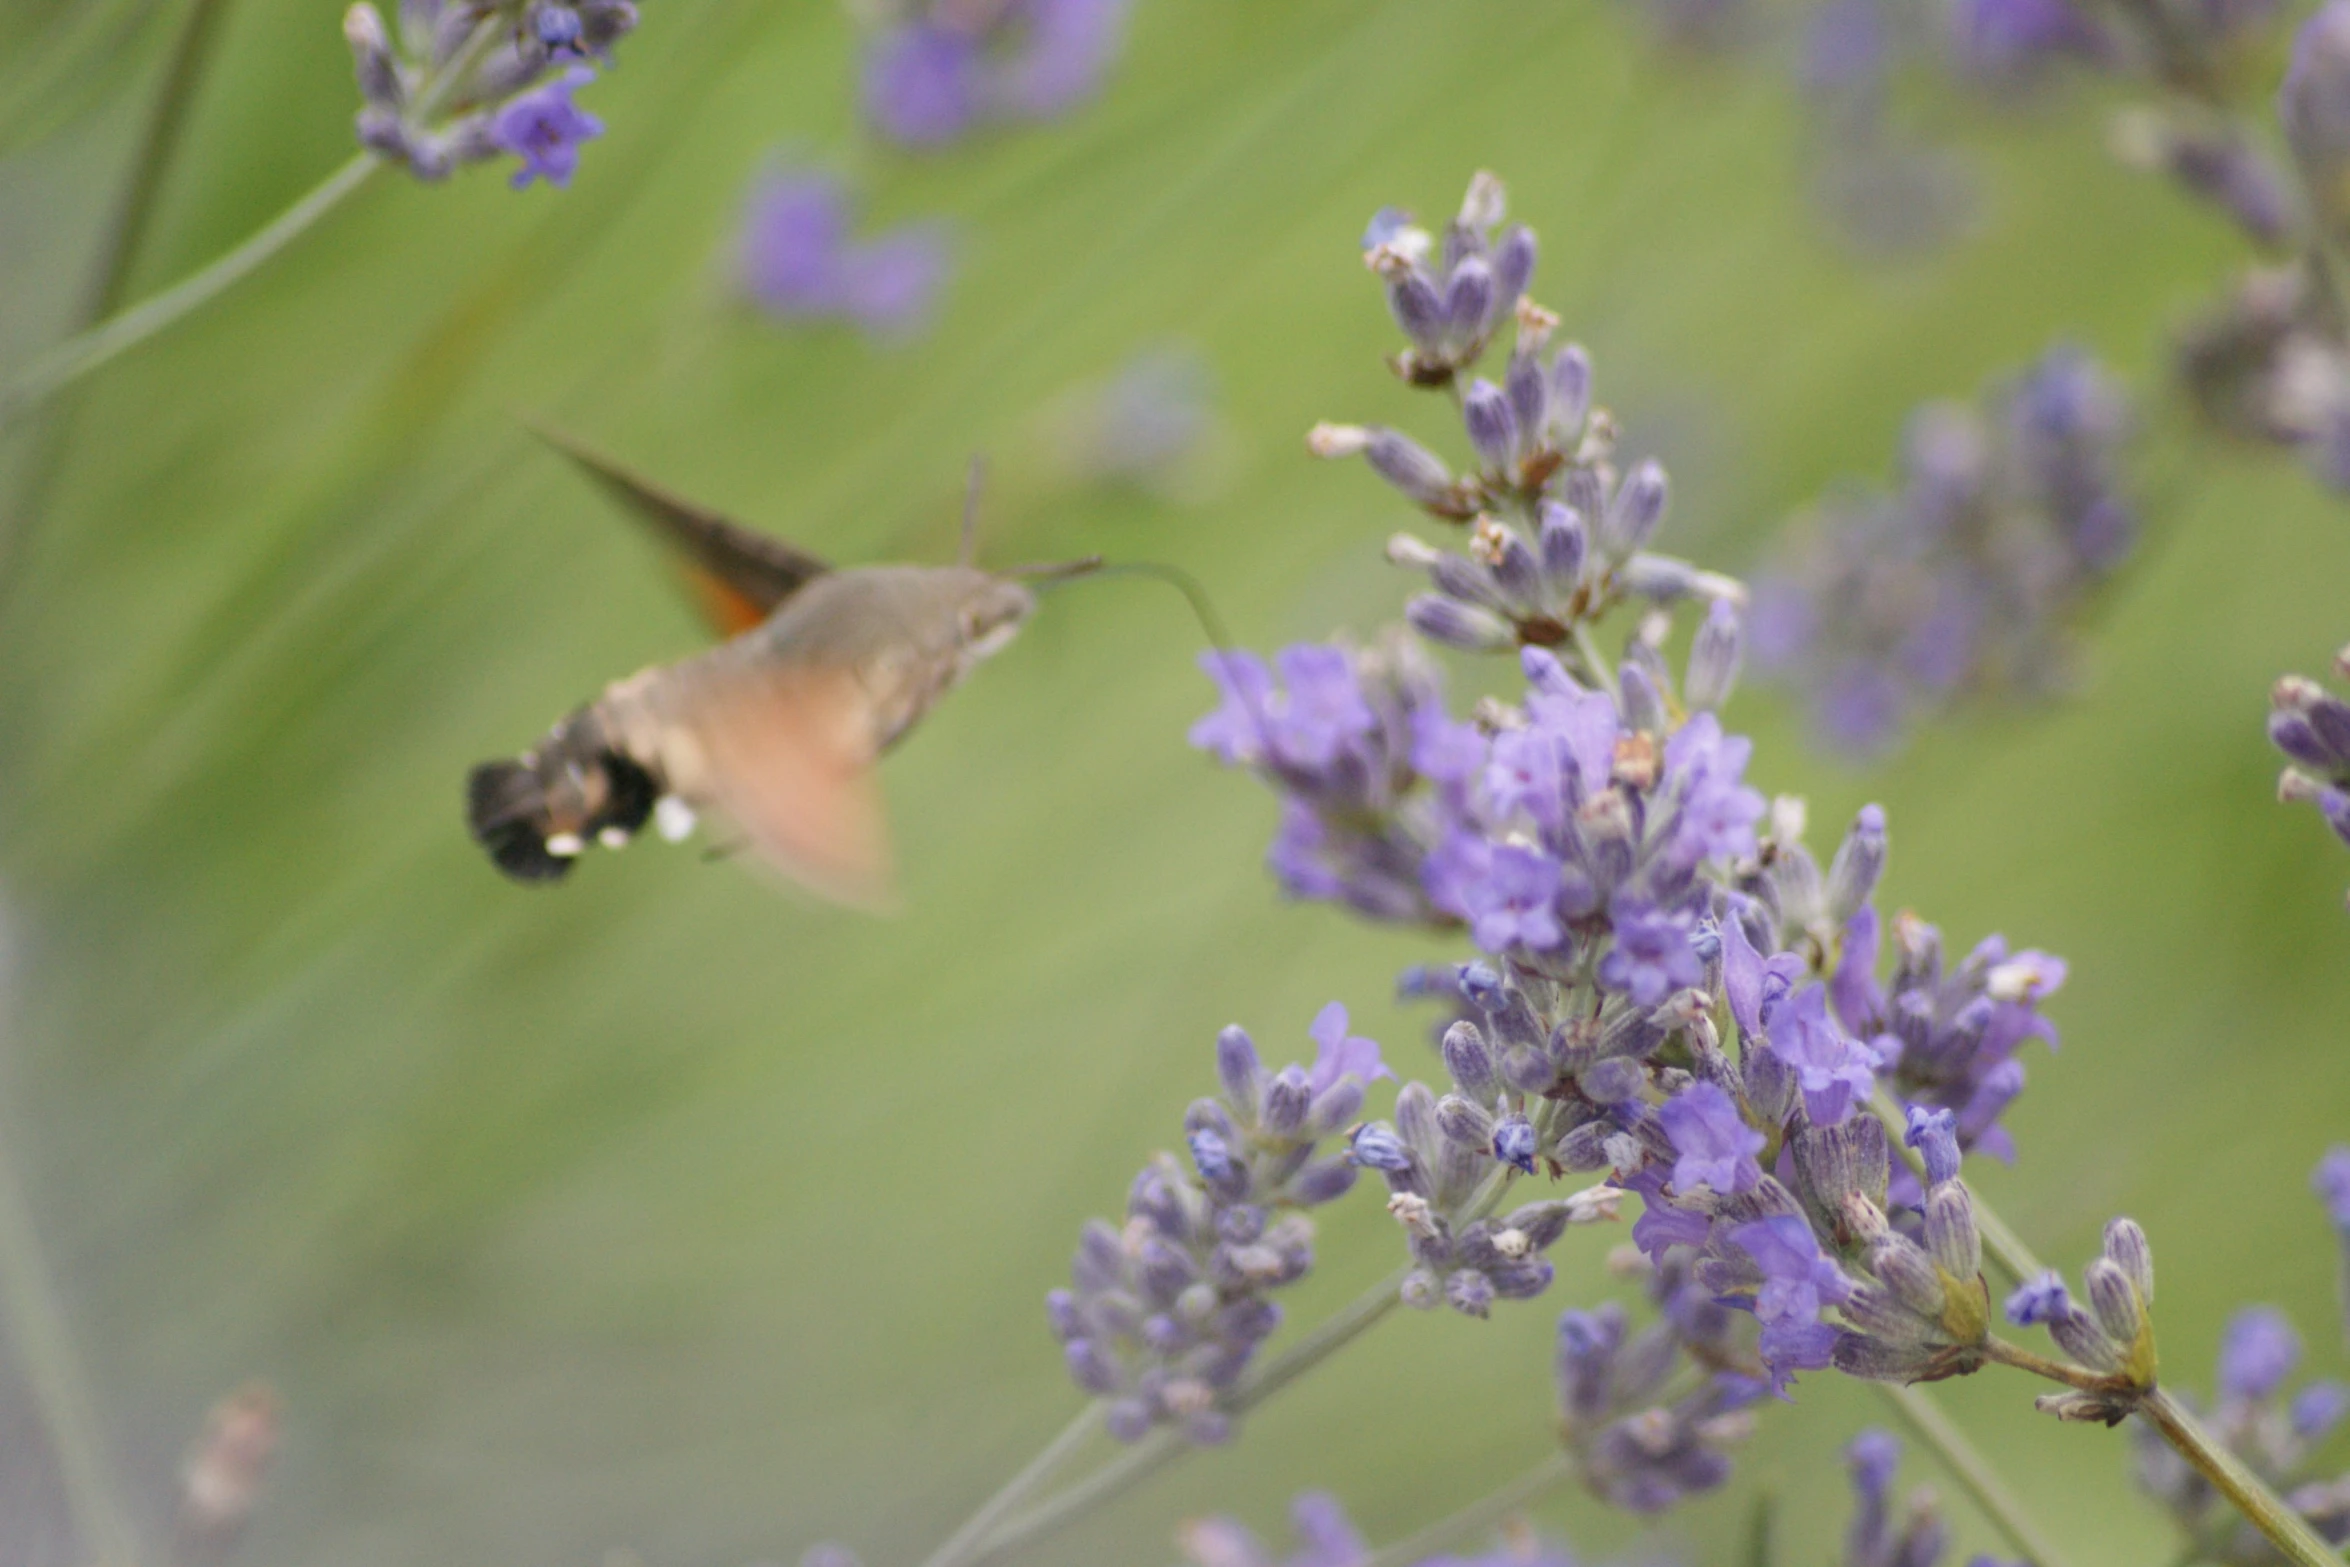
<point x="431" y="105"/>
<point x="544" y="128"/>
<point x="2014" y="43"/>
<point x="1833" y="1068"/>
<point x="2257" y="1352"/>
<point x="2331" y="1181"/>
<point x="921" y="85"/>
<point x="2042" y="1298"/>
<point x="1338" y="1054"/>
<point x="1164" y="1314"/>
<point x="1884" y="607"/>
<point x="798" y="262"/>
<point x="940" y="74"/>
<point x="1796" y="1283"/>
<point x="1715" y="1144"/>
<point x="1651" y="957"/>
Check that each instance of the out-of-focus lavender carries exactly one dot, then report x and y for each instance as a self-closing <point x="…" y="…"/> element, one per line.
<point x="798" y="259"/>
<point x="1326" y="1537"/>
<point x="1152" y="425"/>
<point x="461" y="83"/>
<point x="1884" y="607"/>
<point x="2312" y="727"/>
<point x="1166" y="1311"/>
<point x="935" y="72"/>
<point x="2276" y="1427"/>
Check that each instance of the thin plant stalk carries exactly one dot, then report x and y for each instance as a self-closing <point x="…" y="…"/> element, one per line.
<point x="1932" y="1425"/>
<point x="1513" y="1498"/>
<point x="84" y="352"/>
<point x="1016" y="1490"/>
<point x="37" y="1320"/>
<point x="1164" y="1447"/>
<point x="2286" y="1529"/>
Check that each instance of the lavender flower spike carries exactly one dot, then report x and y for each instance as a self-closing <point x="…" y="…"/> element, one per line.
<point x="433" y="97"/>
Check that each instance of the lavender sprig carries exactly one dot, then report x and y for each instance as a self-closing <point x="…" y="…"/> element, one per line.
<point x="1883" y="608"/>
<point x="463" y="81"/>
<point x="2312" y="727"/>
<point x="1167" y="1310"/>
<point x="937" y="70"/>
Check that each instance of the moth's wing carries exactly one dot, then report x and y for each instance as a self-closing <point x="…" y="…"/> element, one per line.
<point x="788" y="755"/>
<point x="738" y="574"/>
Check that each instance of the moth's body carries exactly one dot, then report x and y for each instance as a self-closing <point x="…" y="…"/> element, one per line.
<point x="777" y="728"/>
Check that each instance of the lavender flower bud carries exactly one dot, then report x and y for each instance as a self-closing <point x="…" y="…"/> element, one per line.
<point x="1951" y="1234"/>
<point x="1464" y="1121"/>
<point x="1633" y="515"/>
<point x="1515" y="570"/>
<point x="1377" y="1147"/>
<point x="1493" y="428"/>
<point x="1468" y="300"/>
<point x="2079" y="1336"/>
<point x="2126" y="1246"/>
<point x="1325" y="1180"/>
<point x="1090" y="1367"/>
<point x="1909" y="1273"/>
<point x="2314" y="104"/>
<point x="1563" y="542"/>
<point x="1848" y="1159"/>
<point x="1612" y="1081"/>
<point x="1422" y="1290"/>
<point x="1288" y="1096"/>
<point x="1570" y="394"/>
<point x="1644" y="707"/>
<point x="1513" y="273"/>
<point x="371" y="56"/>
<point x="1127" y="1420"/>
<point x="1860" y="860"/>
<point x="1334" y="1107"/>
<point x="1467" y="1059"/>
<point x="1411" y="468"/>
<point x="2115" y="1300"/>
<point x="1457" y="625"/>
<point x="1714" y="657"/>
<point x="1584" y="1149"/>
<point x="1528" y="388"/>
<point x="1240" y="1070"/>
<point x="1417" y="307"/>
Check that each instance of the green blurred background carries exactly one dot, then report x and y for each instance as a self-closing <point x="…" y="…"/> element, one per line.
<point x="666" y="1214"/>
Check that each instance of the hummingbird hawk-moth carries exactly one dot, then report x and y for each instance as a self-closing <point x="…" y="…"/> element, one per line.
<point x="778" y="727"/>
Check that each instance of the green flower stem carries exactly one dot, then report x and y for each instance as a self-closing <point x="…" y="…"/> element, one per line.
<point x="1930" y="1424"/>
<point x="1164" y="1447"/>
<point x="36" y="1319"/>
<point x="2261" y="1507"/>
<point x="2286" y="1529"/>
<point x="1484" y="1513"/>
<point x="1016" y="1490"/>
<point x="84" y="352"/>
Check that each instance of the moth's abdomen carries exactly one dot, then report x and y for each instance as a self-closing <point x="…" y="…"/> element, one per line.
<point x="537" y="812"/>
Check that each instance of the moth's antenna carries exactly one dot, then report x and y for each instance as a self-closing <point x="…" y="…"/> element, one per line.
<point x="976" y="476"/>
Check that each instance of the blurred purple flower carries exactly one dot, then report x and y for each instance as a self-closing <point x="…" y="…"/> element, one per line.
<point x="936" y="77"/>
<point x="798" y="260"/>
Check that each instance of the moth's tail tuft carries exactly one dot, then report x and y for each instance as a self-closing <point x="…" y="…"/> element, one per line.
<point x="506" y="806"/>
